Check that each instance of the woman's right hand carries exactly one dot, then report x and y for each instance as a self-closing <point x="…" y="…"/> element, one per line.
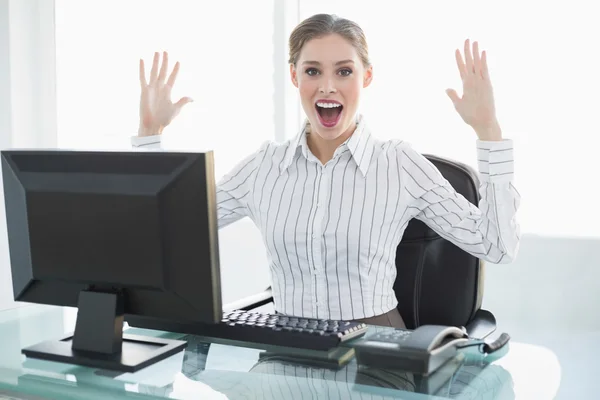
<point x="156" y="108"/>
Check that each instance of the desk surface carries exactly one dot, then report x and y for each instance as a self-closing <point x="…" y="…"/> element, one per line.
<point x="210" y="370"/>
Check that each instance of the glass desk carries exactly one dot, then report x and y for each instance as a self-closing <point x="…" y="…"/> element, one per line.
<point x="220" y="371"/>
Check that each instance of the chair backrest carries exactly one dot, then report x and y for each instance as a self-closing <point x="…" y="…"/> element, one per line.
<point x="437" y="282"/>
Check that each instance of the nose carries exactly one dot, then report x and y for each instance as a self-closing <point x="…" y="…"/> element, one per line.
<point x="327" y="86"/>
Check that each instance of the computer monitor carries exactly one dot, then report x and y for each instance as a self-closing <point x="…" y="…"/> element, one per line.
<point x="114" y="234"/>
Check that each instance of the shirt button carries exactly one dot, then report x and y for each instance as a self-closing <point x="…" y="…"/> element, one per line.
<point x="314" y="236"/>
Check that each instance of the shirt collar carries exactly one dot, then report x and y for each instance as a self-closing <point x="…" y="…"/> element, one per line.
<point x="360" y="144"/>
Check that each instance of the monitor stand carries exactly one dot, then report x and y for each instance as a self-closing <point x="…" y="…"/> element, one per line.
<point x="99" y="341"/>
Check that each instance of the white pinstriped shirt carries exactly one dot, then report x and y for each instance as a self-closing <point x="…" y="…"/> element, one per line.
<point x="331" y="231"/>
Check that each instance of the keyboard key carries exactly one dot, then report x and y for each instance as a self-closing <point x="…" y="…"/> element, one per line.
<point x="280" y="330"/>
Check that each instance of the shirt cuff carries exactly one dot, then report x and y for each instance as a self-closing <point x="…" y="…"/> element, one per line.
<point x="140" y="141"/>
<point x="495" y="160"/>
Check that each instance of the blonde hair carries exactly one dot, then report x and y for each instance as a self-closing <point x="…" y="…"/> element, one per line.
<point x="320" y="25"/>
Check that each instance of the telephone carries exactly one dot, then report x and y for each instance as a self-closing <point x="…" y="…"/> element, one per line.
<point x="421" y="351"/>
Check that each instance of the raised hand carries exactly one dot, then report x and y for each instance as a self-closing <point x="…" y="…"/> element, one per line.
<point x="156" y="108"/>
<point x="476" y="106"/>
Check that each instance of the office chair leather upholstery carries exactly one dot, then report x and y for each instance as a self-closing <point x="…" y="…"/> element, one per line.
<point x="437" y="283"/>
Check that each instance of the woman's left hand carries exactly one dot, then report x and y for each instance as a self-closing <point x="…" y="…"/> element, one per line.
<point x="476" y="107"/>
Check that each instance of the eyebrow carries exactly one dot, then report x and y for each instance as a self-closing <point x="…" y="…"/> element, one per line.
<point x="337" y="63"/>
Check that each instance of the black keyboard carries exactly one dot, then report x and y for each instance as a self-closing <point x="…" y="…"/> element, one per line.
<point x="281" y="330"/>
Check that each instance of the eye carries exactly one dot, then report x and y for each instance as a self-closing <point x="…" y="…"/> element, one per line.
<point x="312" y="71"/>
<point x="345" y="72"/>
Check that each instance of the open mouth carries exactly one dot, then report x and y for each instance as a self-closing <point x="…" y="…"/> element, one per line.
<point x="329" y="112"/>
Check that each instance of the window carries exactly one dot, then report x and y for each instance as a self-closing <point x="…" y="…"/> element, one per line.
<point x="226" y="61"/>
<point x="227" y="53"/>
<point x="544" y="67"/>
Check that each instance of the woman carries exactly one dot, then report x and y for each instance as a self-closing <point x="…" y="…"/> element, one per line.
<point x="332" y="203"/>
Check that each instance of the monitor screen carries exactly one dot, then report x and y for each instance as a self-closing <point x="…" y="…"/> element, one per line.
<point x="143" y="224"/>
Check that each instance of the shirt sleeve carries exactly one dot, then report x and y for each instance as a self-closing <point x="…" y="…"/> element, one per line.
<point x="489" y="231"/>
<point x="233" y="189"/>
<point x="146" y="142"/>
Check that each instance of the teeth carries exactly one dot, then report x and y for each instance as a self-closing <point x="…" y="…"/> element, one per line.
<point x="328" y="105"/>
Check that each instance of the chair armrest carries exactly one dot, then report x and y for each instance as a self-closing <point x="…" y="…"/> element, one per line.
<point x="481" y="325"/>
<point x="250" y="302"/>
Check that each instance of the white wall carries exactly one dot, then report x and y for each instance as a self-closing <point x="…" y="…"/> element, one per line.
<point x="27" y="94"/>
<point x="549" y="297"/>
<point x="553" y="285"/>
<point x="5" y="125"/>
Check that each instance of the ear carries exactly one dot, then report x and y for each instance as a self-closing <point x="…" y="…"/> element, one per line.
<point x="368" y="76"/>
<point x="293" y="75"/>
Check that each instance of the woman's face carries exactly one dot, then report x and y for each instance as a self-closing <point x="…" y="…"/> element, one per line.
<point x="330" y="76"/>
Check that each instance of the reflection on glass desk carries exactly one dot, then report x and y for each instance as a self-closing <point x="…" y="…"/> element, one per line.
<point x="221" y="371"/>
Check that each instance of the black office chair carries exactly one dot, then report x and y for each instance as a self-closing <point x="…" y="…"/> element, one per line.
<point x="437" y="283"/>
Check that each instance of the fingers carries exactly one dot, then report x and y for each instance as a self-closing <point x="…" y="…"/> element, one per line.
<point x="453" y="95"/>
<point x="156" y="76"/>
<point x="468" y="57"/>
<point x="484" y="66"/>
<point x="173" y="75"/>
<point x="475" y="62"/>
<point x="460" y="64"/>
<point x="145" y="108"/>
<point x="183" y="101"/>
<point x="163" y="69"/>
<point x="143" y="82"/>
<point x="154" y="70"/>
<point x="476" y="59"/>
